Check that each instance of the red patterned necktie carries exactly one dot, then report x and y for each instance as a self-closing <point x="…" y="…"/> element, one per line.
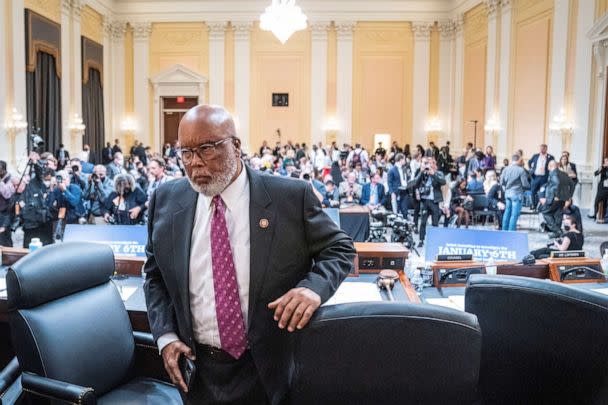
<point x="231" y="325"/>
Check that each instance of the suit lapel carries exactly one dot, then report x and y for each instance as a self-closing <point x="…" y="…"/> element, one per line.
<point x="182" y="224"/>
<point x="262" y="224"/>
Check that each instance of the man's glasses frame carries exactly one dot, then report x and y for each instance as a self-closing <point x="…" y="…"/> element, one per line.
<point x="204" y="151"/>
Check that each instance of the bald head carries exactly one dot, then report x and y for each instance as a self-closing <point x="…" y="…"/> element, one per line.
<point x="205" y="123"/>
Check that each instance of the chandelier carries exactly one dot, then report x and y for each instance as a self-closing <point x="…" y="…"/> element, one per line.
<point x="283" y="18"/>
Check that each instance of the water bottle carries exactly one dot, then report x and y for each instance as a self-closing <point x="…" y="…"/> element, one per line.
<point x="427" y="275"/>
<point x="605" y="262"/>
<point x="417" y="280"/>
<point x="35" y="244"/>
<point x="491" y="266"/>
<point x="408" y="268"/>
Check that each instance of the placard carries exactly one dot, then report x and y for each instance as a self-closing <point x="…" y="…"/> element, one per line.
<point x="502" y="246"/>
<point x="125" y="240"/>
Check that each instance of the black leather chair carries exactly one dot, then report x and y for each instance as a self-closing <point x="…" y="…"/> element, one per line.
<point x="387" y="353"/>
<point x="10" y="384"/>
<point x="71" y="332"/>
<point x="543" y="342"/>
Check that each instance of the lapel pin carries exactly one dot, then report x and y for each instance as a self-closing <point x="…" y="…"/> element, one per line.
<point x="263" y="223"/>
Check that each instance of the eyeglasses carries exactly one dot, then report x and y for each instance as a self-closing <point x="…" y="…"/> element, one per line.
<point x="205" y="151"/>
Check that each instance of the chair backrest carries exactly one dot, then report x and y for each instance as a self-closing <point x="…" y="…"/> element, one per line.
<point x="543" y="342"/>
<point x="387" y="353"/>
<point x="480" y="202"/>
<point x="67" y="319"/>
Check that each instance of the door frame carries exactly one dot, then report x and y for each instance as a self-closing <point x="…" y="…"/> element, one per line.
<point x="162" y="118"/>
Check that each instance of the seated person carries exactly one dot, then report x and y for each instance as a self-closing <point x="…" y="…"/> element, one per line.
<point x="461" y="202"/>
<point x="373" y="194"/>
<point x="496" y="197"/>
<point x="571" y="239"/>
<point x="474" y="185"/>
<point x="332" y="197"/>
<point x="350" y="191"/>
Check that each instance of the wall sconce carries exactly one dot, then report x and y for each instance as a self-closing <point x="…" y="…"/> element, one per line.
<point x="331" y="129"/>
<point x="492" y="125"/>
<point x="15" y="123"/>
<point x="560" y="123"/>
<point x="433" y="129"/>
<point x="128" y="125"/>
<point x="77" y="125"/>
<point x="561" y="127"/>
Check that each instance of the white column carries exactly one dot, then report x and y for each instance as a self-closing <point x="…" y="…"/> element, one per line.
<point x="141" y="93"/>
<point x="107" y="78"/>
<point x="600" y="53"/>
<point x="242" y="62"/>
<point x="216" y="62"/>
<point x="66" y="72"/>
<point x="4" y="108"/>
<point x="456" y="135"/>
<point x="582" y="86"/>
<point x="558" y="70"/>
<point x="506" y="16"/>
<point x="76" y="76"/>
<point x="17" y="27"/>
<point x="446" y="76"/>
<point x="344" y="82"/>
<point x="318" y="81"/>
<point x="422" y="63"/>
<point x="490" y="110"/>
<point x="117" y="70"/>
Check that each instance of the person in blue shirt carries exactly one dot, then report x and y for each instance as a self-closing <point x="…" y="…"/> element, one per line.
<point x="475" y="185"/>
<point x="69" y="195"/>
<point x="373" y="194"/>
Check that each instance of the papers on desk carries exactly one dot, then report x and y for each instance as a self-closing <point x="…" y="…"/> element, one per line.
<point x="126" y="292"/>
<point x="350" y="291"/>
<point x="453" y="301"/>
<point x="601" y="290"/>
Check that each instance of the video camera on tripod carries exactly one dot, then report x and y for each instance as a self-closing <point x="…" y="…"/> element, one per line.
<point x="401" y="230"/>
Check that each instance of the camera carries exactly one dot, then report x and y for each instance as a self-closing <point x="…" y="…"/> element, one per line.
<point x="306" y="176"/>
<point x="59" y="178"/>
<point x="75" y="169"/>
<point x="94" y="177"/>
<point x="36" y="141"/>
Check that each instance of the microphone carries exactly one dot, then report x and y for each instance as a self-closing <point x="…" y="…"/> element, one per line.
<point x="563" y="275"/>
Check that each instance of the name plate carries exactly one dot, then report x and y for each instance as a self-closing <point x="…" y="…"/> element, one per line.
<point x="567" y="254"/>
<point x="454" y="258"/>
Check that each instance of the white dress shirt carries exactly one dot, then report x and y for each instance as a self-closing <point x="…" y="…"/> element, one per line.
<point x="540" y="165"/>
<point x="202" y="293"/>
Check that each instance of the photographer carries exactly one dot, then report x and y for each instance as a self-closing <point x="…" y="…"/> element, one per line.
<point x="33" y="205"/>
<point x="69" y="195"/>
<point x="77" y="177"/>
<point x="99" y="188"/>
<point x="601" y="196"/>
<point x="559" y="188"/>
<point x="140" y="175"/>
<point x="572" y="239"/>
<point x="428" y="183"/>
<point x="7" y="190"/>
<point x="126" y="204"/>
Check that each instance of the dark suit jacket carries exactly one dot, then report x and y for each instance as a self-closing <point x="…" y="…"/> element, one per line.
<point x="394" y="180"/>
<point x="366" y="194"/>
<point x="559" y="186"/>
<point x="437" y="180"/>
<point x="301" y="247"/>
<point x="534" y="159"/>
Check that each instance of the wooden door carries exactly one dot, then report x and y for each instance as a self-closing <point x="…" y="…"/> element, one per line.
<point x="171" y="121"/>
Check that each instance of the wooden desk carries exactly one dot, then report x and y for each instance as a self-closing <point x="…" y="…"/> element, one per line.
<point x="375" y="257"/>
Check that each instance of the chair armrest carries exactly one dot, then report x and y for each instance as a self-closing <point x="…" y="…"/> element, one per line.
<point x="59" y="390"/>
<point x="9" y="375"/>
<point x="145" y="340"/>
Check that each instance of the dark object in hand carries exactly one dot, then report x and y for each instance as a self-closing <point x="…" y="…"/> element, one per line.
<point x="75" y="169"/>
<point x="188" y="370"/>
<point x="59" y="179"/>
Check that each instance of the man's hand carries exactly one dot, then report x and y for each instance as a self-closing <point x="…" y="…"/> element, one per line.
<point x="106" y="217"/>
<point x="542" y="201"/>
<point x="34" y="157"/>
<point x="62" y="186"/>
<point x="134" y="212"/>
<point x="171" y="354"/>
<point x="501" y="206"/>
<point x="295" y="308"/>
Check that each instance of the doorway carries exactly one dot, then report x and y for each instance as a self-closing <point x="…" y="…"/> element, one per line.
<point x="174" y="108"/>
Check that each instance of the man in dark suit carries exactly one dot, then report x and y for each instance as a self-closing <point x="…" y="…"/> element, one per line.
<point x="558" y="190"/>
<point x="63" y="157"/>
<point x="428" y="184"/>
<point x="106" y="154"/>
<point x="231" y="253"/>
<point x="116" y="148"/>
<point x="372" y="194"/>
<point x="539" y="171"/>
<point x="398" y="177"/>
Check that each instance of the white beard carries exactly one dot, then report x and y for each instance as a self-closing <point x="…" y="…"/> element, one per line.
<point x="220" y="181"/>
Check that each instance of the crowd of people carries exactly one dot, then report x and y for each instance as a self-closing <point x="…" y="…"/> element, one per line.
<point x="55" y="190"/>
<point x="418" y="183"/>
